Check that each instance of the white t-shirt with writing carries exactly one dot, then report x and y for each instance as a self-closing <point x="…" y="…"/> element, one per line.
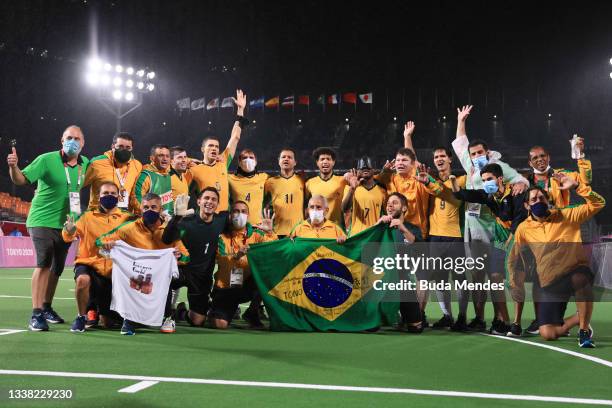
<point x="141" y="278"/>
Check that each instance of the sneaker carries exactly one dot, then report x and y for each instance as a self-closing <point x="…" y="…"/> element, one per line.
<point x="92" y="319"/>
<point x="251" y="316"/>
<point x="477" y="325"/>
<point x="585" y="340"/>
<point x="444" y="323"/>
<point x="424" y="322"/>
<point x="169" y="326"/>
<point x="499" y="328"/>
<point x="533" y="329"/>
<point x="515" y="330"/>
<point x="127" y="328"/>
<point x="38" y="323"/>
<point x="418" y="329"/>
<point x="79" y="324"/>
<point x="52" y="317"/>
<point x="237" y="314"/>
<point x="591" y="332"/>
<point x="262" y="313"/>
<point x="460" y="324"/>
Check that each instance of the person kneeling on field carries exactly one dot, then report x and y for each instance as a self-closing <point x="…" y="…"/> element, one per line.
<point x="92" y="271"/>
<point x="550" y="239"/>
<point x="233" y="281"/>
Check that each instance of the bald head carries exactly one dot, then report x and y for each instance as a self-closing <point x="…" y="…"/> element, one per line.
<point x="318" y="201"/>
<point x="75" y="133"/>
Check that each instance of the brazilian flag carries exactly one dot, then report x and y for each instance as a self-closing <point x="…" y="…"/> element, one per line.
<point x="319" y="285"/>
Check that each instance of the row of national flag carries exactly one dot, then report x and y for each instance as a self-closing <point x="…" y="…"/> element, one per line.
<point x="276" y="102"/>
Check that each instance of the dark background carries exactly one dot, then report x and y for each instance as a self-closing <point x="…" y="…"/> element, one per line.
<point x="520" y="61"/>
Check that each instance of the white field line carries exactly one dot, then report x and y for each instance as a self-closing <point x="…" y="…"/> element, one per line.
<point x="558" y="349"/>
<point x="30" y="297"/>
<point x="516" y="397"/>
<point x="4" y="332"/>
<point x="139" y="386"/>
<point x="29" y="279"/>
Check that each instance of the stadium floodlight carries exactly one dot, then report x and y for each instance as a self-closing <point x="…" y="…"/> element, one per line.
<point x="395" y="118"/>
<point x="346" y="119"/>
<point x="117" y="89"/>
<point x="610" y="75"/>
<point x="610" y="63"/>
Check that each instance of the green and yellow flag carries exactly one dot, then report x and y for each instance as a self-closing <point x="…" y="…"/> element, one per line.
<point x="319" y="285"/>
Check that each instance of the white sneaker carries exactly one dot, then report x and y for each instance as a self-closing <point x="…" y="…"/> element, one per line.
<point x="169" y="326"/>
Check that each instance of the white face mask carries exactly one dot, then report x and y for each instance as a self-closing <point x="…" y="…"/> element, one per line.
<point x="239" y="220"/>
<point x="536" y="171"/>
<point x="249" y="164"/>
<point x="316" y="216"/>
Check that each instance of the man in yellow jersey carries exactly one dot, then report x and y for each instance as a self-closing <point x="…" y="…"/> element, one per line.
<point x="416" y="189"/>
<point x="155" y="178"/>
<point x="327" y="184"/>
<point x="248" y="185"/>
<point x="144" y="233"/>
<point x="550" y="239"/>
<point x="180" y="176"/>
<point x="92" y="270"/>
<point x="285" y="193"/>
<point x="233" y="282"/>
<point x="117" y="165"/>
<point x="213" y="172"/>
<point x="445" y="213"/>
<point x="364" y="197"/>
<point x="317" y="225"/>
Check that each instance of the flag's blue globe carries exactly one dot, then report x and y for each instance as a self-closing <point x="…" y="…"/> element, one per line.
<point x="327" y="283"/>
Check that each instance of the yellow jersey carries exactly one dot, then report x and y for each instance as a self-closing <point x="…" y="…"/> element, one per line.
<point x="229" y="244"/>
<point x="332" y="189"/>
<point x="180" y="183"/>
<point x="367" y="206"/>
<point x="215" y="175"/>
<point x="103" y="168"/>
<point x="251" y="191"/>
<point x="327" y="230"/>
<point x="89" y="227"/>
<point x="286" y="195"/>
<point x="445" y="211"/>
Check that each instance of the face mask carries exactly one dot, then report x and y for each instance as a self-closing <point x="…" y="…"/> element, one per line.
<point x="150" y="217"/>
<point x="480" y="161"/>
<point x="539" y="209"/>
<point x="249" y="164"/>
<point x="316" y="216"/>
<point x="108" y="201"/>
<point x="490" y="186"/>
<point x="536" y="171"/>
<point x="239" y="220"/>
<point x="122" y="155"/>
<point x="71" y="147"/>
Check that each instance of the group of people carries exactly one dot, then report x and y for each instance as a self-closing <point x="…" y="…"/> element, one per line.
<point x="211" y="217"/>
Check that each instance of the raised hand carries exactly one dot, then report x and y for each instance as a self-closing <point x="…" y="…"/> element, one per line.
<point x="408" y="129"/>
<point x="389" y="166"/>
<point x="580" y="144"/>
<point x="69" y="225"/>
<point x="240" y="101"/>
<point x="423" y="173"/>
<point x="464" y="112"/>
<point x="181" y="205"/>
<point x="565" y="181"/>
<point x="518" y="188"/>
<point x="12" y="158"/>
<point x="267" y="222"/>
<point x="353" y="180"/>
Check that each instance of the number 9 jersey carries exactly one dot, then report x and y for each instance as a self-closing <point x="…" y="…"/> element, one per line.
<point x="286" y="194"/>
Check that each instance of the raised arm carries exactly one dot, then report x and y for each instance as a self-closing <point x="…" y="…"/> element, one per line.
<point x="461" y="142"/>
<point x="15" y="173"/>
<point x="237" y="129"/>
<point x="408" y="132"/>
<point x="349" y="191"/>
<point x="594" y="203"/>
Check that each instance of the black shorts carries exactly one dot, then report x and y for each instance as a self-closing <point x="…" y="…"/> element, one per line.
<point x="51" y="250"/>
<point x="554" y="297"/>
<point x="441" y="246"/>
<point x="225" y="301"/>
<point x="198" y="282"/>
<point x="100" y="290"/>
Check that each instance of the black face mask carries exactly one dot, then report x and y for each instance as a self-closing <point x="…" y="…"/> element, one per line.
<point x="122" y="155"/>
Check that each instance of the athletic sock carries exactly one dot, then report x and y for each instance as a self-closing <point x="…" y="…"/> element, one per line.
<point x="36" y="311"/>
<point x="46" y="306"/>
<point x="444" y="302"/>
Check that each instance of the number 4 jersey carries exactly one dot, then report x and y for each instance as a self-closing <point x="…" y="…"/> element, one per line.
<point x="141" y="278"/>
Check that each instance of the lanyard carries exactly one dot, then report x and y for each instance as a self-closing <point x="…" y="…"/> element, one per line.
<point x="68" y="176"/>
<point x="123" y="179"/>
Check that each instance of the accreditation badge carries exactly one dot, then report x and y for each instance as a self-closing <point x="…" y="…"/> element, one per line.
<point x="236" y="277"/>
<point x="123" y="199"/>
<point x="75" y="202"/>
<point x="473" y="209"/>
